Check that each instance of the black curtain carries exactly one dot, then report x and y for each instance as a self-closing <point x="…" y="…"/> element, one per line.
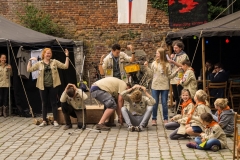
<point x="216" y="50"/>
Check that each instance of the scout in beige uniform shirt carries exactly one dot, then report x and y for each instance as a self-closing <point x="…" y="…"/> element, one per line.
<point x="113" y="64"/>
<point x="107" y="91"/>
<point x="5" y="73"/>
<point x="72" y="106"/>
<point x="140" y="107"/>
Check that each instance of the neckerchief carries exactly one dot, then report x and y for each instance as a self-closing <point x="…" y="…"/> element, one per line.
<point x="196" y="105"/>
<point x="185" y="104"/>
<point x="213" y="123"/>
<point x="179" y="54"/>
<point x="220" y="111"/>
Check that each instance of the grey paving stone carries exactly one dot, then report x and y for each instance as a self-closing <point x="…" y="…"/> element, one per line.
<point x="20" y="139"/>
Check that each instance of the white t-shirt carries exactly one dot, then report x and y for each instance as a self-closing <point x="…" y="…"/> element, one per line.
<point x="37" y="54"/>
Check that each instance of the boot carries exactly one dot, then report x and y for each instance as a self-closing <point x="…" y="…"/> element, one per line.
<point x="1" y="111"/>
<point x="5" y="111"/>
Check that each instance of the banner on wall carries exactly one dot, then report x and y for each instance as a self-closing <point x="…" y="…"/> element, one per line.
<point x="132" y="11"/>
<point x="187" y="13"/>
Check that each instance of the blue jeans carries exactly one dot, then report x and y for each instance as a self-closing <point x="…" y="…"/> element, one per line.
<point x="136" y="120"/>
<point x="209" y="143"/>
<point x="164" y="98"/>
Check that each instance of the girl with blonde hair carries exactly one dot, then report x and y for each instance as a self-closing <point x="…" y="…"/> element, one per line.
<point x="161" y="71"/>
<point x="186" y="106"/>
<point x="193" y="126"/>
<point x="48" y="80"/>
<point x="224" y="115"/>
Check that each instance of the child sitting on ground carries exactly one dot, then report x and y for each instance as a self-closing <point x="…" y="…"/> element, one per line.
<point x="140" y="108"/>
<point x="214" y="137"/>
<point x="224" y="116"/>
<point x="193" y="126"/>
<point x="187" y="106"/>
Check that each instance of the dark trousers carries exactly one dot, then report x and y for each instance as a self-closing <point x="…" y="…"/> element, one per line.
<point x="177" y="93"/>
<point x="68" y="111"/>
<point x="49" y="92"/>
<point x="4" y="91"/>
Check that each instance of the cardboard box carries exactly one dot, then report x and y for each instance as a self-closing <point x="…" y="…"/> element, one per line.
<point x="93" y="115"/>
<point x="61" y="120"/>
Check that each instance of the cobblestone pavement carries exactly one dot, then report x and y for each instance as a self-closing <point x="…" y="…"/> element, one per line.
<point x="22" y="140"/>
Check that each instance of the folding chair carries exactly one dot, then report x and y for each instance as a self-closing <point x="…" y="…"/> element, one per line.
<point x="222" y="85"/>
<point x="236" y="154"/>
<point x="234" y="92"/>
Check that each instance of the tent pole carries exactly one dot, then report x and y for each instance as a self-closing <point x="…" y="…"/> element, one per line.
<point x="9" y="79"/>
<point x="170" y="87"/>
<point x="203" y="63"/>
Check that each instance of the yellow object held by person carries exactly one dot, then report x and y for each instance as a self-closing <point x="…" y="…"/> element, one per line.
<point x="203" y="144"/>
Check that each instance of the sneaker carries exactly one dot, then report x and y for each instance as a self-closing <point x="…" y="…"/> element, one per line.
<point x="191" y="145"/>
<point x="44" y="123"/>
<point x="165" y="121"/>
<point x="102" y="127"/>
<point x="215" y="148"/>
<point x="187" y="136"/>
<point x="67" y="127"/>
<point x="154" y="122"/>
<point x="131" y="128"/>
<point x="139" y="128"/>
<point x="55" y="123"/>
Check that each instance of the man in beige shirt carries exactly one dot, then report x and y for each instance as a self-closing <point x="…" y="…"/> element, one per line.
<point x="71" y="102"/>
<point x="107" y="91"/>
<point x="112" y="64"/>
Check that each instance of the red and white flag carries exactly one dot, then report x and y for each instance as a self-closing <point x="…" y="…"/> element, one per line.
<point x="132" y="11"/>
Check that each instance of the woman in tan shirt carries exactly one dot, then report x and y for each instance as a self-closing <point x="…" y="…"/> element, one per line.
<point x="161" y="71"/>
<point x="48" y="80"/>
<point x="178" y="56"/>
<point x="5" y="72"/>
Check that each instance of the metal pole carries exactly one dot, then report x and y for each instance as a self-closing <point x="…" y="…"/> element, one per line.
<point x="83" y="114"/>
<point x="170" y="89"/>
<point x="89" y="87"/>
<point x="81" y="82"/>
<point x="9" y="76"/>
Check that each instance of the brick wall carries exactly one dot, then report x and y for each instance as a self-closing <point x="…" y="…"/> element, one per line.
<point x="95" y="23"/>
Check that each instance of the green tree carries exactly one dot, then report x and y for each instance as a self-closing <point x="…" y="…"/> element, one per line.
<point x="40" y="21"/>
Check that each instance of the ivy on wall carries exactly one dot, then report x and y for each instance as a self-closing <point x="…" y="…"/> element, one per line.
<point x="160" y="4"/>
<point x="40" y="21"/>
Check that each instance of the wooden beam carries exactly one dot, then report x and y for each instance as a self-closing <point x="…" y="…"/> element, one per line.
<point x="203" y="63"/>
<point x="170" y="87"/>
